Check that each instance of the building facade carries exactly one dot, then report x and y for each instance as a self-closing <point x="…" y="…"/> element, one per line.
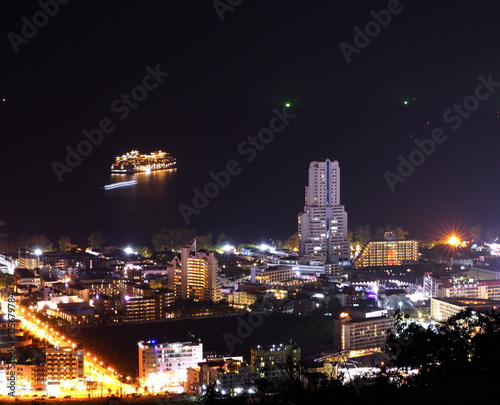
<point x="195" y="275"/>
<point x="444" y="308"/>
<point x="322" y="227"/>
<point x="230" y="376"/>
<point x="145" y="304"/>
<point x="361" y="333"/>
<point x="17" y="379"/>
<point x="436" y="286"/>
<point x="64" y="363"/>
<point x="270" y="274"/>
<point x="274" y="362"/>
<point x="168" y="361"/>
<point x="388" y="253"/>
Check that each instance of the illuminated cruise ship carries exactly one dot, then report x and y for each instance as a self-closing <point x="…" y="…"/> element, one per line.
<point x="134" y="162"/>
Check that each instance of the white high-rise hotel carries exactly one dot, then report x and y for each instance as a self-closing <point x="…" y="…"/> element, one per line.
<point x="323" y="224"/>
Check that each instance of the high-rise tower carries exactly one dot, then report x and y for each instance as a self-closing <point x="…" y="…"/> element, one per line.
<point x="194" y="275"/>
<point x="323" y="224"/>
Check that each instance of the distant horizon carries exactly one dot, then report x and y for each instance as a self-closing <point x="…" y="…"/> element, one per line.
<point x="81" y="241"/>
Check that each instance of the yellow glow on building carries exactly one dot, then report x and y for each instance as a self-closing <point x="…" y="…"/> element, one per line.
<point x="388" y="253"/>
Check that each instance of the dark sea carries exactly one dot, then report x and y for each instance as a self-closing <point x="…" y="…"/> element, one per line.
<point x="130" y="215"/>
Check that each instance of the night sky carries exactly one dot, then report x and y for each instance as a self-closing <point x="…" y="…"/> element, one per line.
<point x="225" y="78"/>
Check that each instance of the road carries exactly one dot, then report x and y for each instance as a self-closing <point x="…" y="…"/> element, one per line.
<point x="95" y="369"/>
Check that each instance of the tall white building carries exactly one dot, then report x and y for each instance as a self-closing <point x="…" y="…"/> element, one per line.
<point x="166" y="364"/>
<point x="323" y="224"/>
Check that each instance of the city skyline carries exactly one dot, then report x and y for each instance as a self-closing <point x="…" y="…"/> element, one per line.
<point x="236" y="201"/>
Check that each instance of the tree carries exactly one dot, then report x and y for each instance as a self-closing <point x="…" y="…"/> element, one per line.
<point x="362" y="234"/>
<point x="211" y="396"/>
<point x="205" y="241"/>
<point x="292" y="242"/>
<point x="221" y="240"/>
<point x="182" y="237"/>
<point x="400" y="233"/>
<point x="96" y="240"/>
<point x="146" y="252"/>
<point x="379" y="233"/>
<point x="464" y="345"/>
<point x="475" y="233"/>
<point x="8" y="280"/>
<point x="492" y="235"/>
<point x="427" y="243"/>
<point x="172" y="238"/>
<point x="159" y="240"/>
<point x="64" y="243"/>
<point x="38" y="242"/>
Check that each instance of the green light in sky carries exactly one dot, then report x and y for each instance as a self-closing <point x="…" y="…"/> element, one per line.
<point x="288" y="105"/>
<point x="405" y="102"/>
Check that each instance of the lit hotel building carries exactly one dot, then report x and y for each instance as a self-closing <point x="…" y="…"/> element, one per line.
<point x="449" y="287"/>
<point x="388" y="252"/>
<point x="194" y="275"/>
<point x="165" y="364"/>
<point x="64" y="363"/>
<point x="361" y="333"/>
<point x="268" y="274"/>
<point x="323" y="224"/>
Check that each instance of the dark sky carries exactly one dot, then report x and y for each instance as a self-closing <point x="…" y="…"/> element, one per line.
<point x="224" y="80"/>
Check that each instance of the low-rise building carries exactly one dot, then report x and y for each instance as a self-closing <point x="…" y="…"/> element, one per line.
<point x="361" y="333"/>
<point x="444" y="308"/>
<point x="275" y="362"/>
<point x="163" y="364"/>
<point x="78" y="313"/>
<point x="245" y="298"/>
<point x="136" y="309"/>
<point x="146" y="304"/>
<point x="269" y="274"/>
<point x="436" y="286"/>
<point x="18" y="379"/>
<point x="230" y="376"/>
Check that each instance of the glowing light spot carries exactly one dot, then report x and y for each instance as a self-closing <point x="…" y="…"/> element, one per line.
<point x="453" y="240"/>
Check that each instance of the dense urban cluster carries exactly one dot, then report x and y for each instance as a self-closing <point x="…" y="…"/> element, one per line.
<point x="381" y="294"/>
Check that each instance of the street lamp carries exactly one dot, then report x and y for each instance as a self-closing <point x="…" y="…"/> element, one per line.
<point x="38" y="252"/>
